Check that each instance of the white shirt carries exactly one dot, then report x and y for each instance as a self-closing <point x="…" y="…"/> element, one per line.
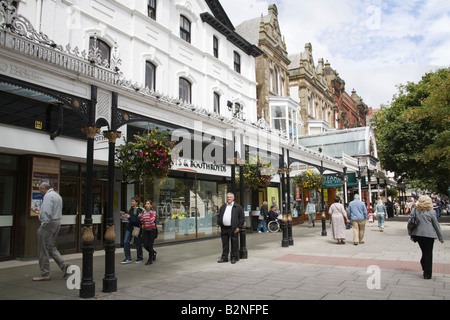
<point x="51" y="207"/>
<point x="227" y="215"/>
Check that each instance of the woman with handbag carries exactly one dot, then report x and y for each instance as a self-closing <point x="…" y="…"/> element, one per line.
<point x="426" y="230"/>
<point x="338" y="219"/>
<point x="132" y="231"/>
<point x="262" y="218"/>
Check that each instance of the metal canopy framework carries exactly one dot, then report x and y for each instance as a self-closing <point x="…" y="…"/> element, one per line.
<point x="355" y="142"/>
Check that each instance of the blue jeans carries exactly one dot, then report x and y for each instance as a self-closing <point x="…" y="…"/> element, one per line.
<point x="380" y="220"/>
<point x="137" y="242"/>
<point x="263" y="224"/>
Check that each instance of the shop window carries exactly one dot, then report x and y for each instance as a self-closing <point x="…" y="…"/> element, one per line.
<point x="186" y="207"/>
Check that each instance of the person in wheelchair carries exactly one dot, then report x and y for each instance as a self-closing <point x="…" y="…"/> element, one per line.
<point x="272" y="214"/>
<point x="272" y="224"/>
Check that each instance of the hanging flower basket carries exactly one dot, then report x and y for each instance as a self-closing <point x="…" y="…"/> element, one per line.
<point x="309" y="180"/>
<point x="257" y="174"/>
<point x="147" y="155"/>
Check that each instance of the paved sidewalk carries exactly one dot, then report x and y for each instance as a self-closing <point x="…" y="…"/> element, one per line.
<point x="385" y="267"/>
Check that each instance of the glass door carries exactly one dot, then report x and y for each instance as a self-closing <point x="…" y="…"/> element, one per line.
<point x="67" y="239"/>
<point x="7" y="184"/>
<point x="99" y="201"/>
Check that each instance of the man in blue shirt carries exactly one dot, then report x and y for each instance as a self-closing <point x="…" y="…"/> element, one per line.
<point x="357" y="213"/>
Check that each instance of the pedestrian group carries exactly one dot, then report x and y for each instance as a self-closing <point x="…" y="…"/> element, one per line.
<point x="142" y="228"/>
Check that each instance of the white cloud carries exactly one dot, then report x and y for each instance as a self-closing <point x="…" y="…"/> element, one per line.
<point x="373" y="44"/>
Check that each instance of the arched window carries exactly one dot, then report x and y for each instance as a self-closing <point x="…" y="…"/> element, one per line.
<point x="216" y="102"/>
<point x="100" y="46"/>
<point x="185" y="29"/>
<point x="150" y="75"/>
<point x="275" y="80"/>
<point x="185" y="90"/>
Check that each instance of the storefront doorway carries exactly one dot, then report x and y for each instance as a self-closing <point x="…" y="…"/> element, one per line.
<point x="72" y="186"/>
<point x="8" y="167"/>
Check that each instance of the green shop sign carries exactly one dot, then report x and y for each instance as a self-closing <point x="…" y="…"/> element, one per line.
<point x="331" y="181"/>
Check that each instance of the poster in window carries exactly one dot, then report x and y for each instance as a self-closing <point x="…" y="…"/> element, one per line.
<point x="43" y="170"/>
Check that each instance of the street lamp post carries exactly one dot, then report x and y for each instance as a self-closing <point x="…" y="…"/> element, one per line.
<point x="87" y="285"/>
<point x="110" y="280"/>
<point x="324" y="228"/>
<point x="243" y="254"/>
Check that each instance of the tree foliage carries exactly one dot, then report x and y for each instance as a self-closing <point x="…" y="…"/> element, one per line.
<point x="413" y="132"/>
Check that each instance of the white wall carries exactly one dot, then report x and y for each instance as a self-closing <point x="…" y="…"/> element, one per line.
<point x="140" y="38"/>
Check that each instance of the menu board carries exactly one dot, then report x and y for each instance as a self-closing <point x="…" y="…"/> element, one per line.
<point x="43" y="170"/>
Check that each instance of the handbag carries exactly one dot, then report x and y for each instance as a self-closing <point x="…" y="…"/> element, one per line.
<point x="261" y="217"/>
<point x="413" y="222"/>
<point x="135" y="232"/>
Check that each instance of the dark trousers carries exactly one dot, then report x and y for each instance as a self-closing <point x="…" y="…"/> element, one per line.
<point x="148" y="240"/>
<point x="227" y="234"/>
<point x="426" y="245"/>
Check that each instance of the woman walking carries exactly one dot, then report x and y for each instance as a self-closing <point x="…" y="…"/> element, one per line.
<point x="380" y="211"/>
<point x="427" y="230"/>
<point x="338" y="219"/>
<point x="150" y="230"/>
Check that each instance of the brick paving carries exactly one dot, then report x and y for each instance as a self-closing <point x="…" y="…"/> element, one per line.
<point x="364" y="263"/>
<point x="314" y="268"/>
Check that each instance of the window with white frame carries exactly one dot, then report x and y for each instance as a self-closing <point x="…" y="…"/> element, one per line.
<point x="216" y="47"/>
<point x="217" y="102"/>
<point x="150" y="75"/>
<point x="287" y="119"/>
<point x="151" y="7"/>
<point x="185" y="29"/>
<point x="278" y="116"/>
<point x="100" y="47"/>
<point x="237" y="62"/>
<point x="185" y="90"/>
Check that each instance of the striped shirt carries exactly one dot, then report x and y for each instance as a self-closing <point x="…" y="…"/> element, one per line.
<point x="148" y="220"/>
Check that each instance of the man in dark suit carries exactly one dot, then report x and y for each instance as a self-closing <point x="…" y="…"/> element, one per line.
<point x="231" y="219"/>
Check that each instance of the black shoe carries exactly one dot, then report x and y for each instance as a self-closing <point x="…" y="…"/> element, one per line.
<point x="233" y="261"/>
<point x="154" y="255"/>
<point x="222" y="261"/>
<point x="149" y="261"/>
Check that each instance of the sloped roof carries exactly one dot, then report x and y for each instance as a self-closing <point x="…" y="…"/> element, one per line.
<point x="219" y="13"/>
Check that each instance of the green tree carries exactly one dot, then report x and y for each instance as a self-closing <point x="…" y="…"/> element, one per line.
<point x="413" y="132"/>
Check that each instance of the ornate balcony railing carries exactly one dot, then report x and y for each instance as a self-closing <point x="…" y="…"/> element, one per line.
<point x="18" y="34"/>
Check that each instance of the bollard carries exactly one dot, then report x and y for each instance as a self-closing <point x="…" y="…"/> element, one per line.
<point x="289" y="225"/>
<point x="284" y="226"/>
<point x="324" y="228"/>
<point x="242" y="243"/>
